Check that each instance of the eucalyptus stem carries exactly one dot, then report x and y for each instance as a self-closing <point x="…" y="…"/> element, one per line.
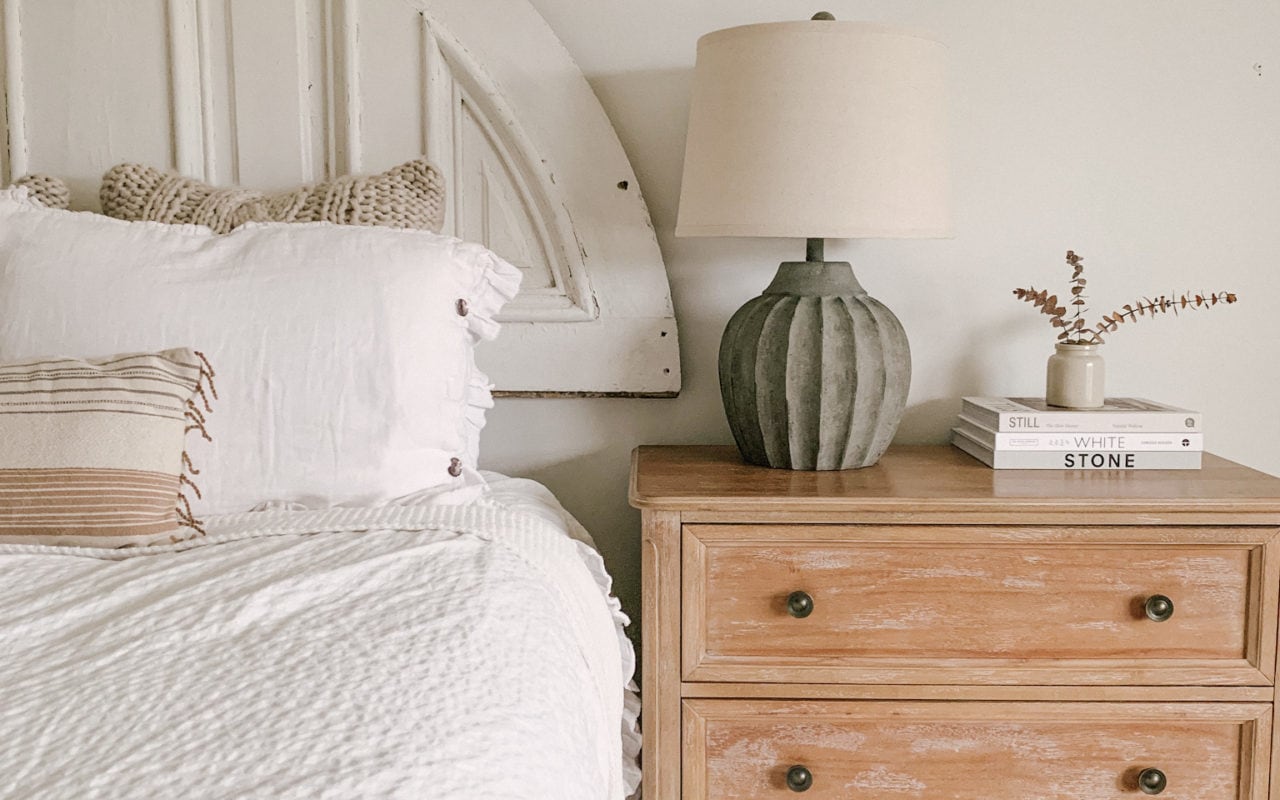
<point x="1077" y="330"/>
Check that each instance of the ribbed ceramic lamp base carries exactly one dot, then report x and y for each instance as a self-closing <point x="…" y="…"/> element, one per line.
<point x="814" y="373"/>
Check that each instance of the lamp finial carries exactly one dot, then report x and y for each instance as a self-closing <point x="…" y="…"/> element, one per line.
<point x="824" y="15"/>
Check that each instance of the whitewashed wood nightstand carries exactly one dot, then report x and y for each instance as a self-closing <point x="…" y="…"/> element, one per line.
<point x="932" y="628"/>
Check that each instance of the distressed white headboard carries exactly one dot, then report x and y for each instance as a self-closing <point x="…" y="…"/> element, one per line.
<point x="276" y="93"/>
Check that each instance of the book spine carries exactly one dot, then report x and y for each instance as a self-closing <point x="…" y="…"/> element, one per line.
<point x="968" y="445"/>
<point x="1078" y="461"/>
<point x="1103" y="442"/>
<point x="1086" y="460"/>
<point x="1099" y="422"/>
<point x="982" y="417"/>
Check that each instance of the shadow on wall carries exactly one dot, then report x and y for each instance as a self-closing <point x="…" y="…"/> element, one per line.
<point x="581" y="451"/>
<point x="651" y="125"/>
<point x="592" y="487"/>
<point x="972" y="374"/>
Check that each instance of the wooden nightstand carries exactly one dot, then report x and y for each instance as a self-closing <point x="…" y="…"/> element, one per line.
<point x="932" y="628"/>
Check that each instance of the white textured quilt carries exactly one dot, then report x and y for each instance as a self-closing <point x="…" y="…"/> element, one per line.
<point x="448" y="647"/>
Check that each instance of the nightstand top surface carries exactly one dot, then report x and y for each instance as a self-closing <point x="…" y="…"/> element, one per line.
<point x="937" y="478"/>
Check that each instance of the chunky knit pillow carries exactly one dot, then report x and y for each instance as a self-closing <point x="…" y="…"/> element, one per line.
<point x="408" y="196"/>
<point x="46" y="190"/>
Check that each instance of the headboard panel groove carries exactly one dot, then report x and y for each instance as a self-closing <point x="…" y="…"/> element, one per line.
<point x="271" y="95"/>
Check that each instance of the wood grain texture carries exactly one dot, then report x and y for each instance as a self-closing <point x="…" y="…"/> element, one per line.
<point x="963" y="692"/>
<point x="660" y="630"/>
<point x="1169" y="515"/>
<point x="941" y="479"/>
<point x="975" y="751"/>
<point x="895" y="597"/>
<point x="1275" y="719"/>
<point x="976" y="634"/>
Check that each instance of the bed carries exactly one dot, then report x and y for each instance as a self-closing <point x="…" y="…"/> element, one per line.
<point x="450" y="647"/>
<point x="341" y="602"/>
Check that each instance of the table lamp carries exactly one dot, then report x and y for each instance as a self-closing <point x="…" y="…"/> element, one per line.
<point x="815" y="129"/>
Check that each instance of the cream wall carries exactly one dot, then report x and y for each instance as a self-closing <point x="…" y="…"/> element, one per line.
<point x="1145" y="135"/>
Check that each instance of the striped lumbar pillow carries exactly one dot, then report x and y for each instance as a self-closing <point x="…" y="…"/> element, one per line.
<point x="92" y="452"/>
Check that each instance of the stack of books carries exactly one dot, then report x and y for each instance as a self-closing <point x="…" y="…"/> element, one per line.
<point x="1126" y="433"/>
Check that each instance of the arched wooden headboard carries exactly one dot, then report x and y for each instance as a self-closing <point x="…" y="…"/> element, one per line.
<point x="275" y="93"/>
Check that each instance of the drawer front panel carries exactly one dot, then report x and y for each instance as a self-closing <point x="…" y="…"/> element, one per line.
<point x="974" y="751"/>
<point x="784" y="609"/>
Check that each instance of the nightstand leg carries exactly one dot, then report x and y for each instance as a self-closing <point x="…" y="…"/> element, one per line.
<point x="660" y="623"/>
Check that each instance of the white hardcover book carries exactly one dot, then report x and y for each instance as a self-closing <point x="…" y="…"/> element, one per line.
<point x="1083" y="460"/>
<point x="1117" y="415"/>
<point x="1123" y="441"/>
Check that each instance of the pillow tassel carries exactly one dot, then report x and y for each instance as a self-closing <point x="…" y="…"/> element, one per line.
<point x="206" y="377"/>
<point x="194" y="414"/>
<point x="187" y="518"/>
<point x="197" y="425"/>
<point x="197" y="418"/>
<point x="184" y="479"/>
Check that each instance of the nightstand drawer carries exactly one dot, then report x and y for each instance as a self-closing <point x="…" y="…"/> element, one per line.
<point x="943" y="604"/>
<point x="974" y="751"/>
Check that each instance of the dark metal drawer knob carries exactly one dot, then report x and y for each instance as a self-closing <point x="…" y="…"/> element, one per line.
<point x="1158" y="607"/>
<point x="799" y="604"/>
<point x="799" y="778"/>
<point x="1152" y="781"/>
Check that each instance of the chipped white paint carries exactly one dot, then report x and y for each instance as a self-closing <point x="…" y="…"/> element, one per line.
<point x="844" y="739"/>
<point x="817" y="560"/>
<point x="15" y="125"/>
<point x="992" y="612"/>
<point x="1020" y="741"/>
<point x="275" y="94"/>
<point x="948" y="571"/>
<point x="908" y="617"/>
<point x="186" y="109"/>
<point x="883" y="779"/>
<point x="996" y="751"/>
<point x="745" y="751"/>
<point x="596" y="316"/>
<point x="1021" y="582"/>
<point x="1095" y="625"/>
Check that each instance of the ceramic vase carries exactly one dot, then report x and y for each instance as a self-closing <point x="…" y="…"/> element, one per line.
<point x="1074" y="378"/>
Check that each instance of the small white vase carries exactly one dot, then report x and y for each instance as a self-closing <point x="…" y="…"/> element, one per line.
<point x="1074" y="377"/>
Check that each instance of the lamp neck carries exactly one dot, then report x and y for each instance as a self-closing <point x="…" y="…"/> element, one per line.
<point x="815" y="279"/>
<point x="815" y="276"/>
<point x="815" y="250"/>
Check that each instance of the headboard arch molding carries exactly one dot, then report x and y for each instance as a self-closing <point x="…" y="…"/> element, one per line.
<point x="275" y="94"/>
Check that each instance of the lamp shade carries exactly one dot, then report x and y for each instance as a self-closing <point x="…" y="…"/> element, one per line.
<point x="817" y="129"/>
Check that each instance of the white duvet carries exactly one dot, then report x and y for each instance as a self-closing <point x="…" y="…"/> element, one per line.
<point x="447" y="647"/>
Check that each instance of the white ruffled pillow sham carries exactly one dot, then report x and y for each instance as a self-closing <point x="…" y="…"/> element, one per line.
<point x="344" y="355"/>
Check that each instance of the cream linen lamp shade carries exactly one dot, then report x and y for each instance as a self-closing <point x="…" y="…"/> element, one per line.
<point x="817" y="130"/>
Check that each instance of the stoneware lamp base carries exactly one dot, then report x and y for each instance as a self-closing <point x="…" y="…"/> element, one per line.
<point x="814" y="372"/>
